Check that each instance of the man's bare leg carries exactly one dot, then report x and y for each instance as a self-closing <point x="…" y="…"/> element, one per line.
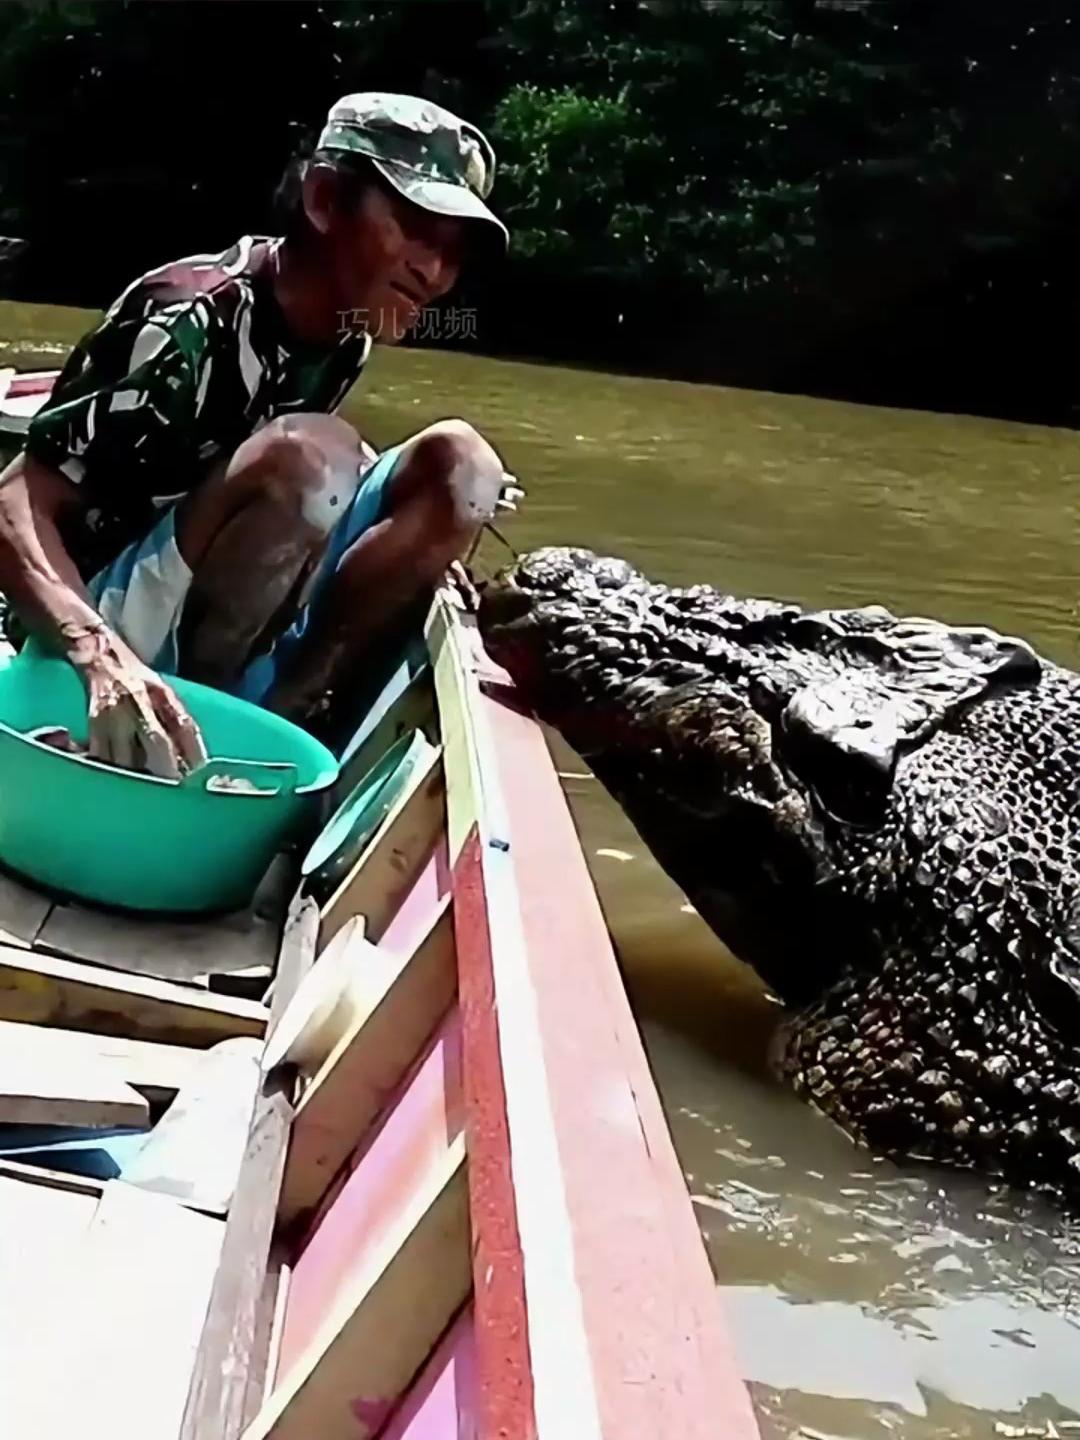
<point x="445" y="485"/>
<point x="252" y="535"/>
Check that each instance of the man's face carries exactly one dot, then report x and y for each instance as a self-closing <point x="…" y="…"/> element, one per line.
<point x="389" y="259"/>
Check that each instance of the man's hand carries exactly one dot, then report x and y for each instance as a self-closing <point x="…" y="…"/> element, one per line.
<point x="460" y="584"/>
<point x="136" y="720"/>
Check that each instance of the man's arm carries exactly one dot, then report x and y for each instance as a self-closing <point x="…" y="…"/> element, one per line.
<point x="136" y="721"/>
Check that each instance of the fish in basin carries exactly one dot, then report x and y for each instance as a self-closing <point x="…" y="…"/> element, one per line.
<point x="880" y="815"/>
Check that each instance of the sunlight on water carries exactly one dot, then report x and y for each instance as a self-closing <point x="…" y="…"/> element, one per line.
<point x="865" y="1301"/>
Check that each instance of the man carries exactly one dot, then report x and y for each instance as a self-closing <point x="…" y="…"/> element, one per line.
<point x="187" y="502"/>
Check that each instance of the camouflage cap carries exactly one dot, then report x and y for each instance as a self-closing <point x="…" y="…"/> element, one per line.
<point x="430" y="156"/>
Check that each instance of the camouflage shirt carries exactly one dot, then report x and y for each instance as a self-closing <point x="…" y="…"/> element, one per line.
<point x="189" y="361"/>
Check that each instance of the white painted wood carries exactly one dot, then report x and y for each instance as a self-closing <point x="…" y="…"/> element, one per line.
<point x="108" y="1353"/>
<point x="40" y="1227"/>
<point x="33" y="1216"/>
<point x="325" y="1003"/>
<point x="47" y="1086"/>
<point x="196" y="1149"/>
<point x="158" y="1071"/>
<point x="383" y="1327"/>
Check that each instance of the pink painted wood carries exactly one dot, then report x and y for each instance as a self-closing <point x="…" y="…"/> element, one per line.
<point x="441" y="1403"/>
<point x="659" y="1360"/>
<point x="427" y="1113"/>
<point x="38" y="383"/>
<point x="411" y="919"/>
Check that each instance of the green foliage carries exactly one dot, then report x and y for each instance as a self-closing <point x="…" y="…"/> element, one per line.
<point x="785" y="173"/>
<point x="575" y="177"/>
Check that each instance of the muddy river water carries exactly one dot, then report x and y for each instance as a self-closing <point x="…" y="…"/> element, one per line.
<point x="865" y="1300"/>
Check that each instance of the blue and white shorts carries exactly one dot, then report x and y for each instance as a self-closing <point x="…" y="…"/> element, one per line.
<point x="141" y="593"/>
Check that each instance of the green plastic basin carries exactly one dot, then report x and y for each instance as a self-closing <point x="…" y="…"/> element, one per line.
<point x="135" y="841"/>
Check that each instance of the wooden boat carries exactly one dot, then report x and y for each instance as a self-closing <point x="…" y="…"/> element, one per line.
<point x="22" y="393"/>
<point x="455" y="1209"/>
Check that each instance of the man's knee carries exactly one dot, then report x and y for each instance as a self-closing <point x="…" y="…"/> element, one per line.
<point x="305" y="466"/>
<point x="459" y="473"/>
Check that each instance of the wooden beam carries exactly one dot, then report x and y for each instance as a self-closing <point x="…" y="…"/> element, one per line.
<point x="157" y="1071"/>
<point x="385" y="870"/>
<point x="386" y="1323"/>
<point x="405" y="999"/>
<point x="42" y="1088"/>
<point x="226" y="1386"/>
<point x="45" y="990"/>
<point x="182" y="950"/>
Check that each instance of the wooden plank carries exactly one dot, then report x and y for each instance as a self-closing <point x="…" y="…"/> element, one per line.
<point x="383" y="873"/>
<point x="364" y="1205"/>
<point x="266" y="1336"/>
<point x="181" y="950"/>
<point x="40" y="1226"/>
<point x="464" y="801"/>
<point x="506" y="1393"/>
<point x="46" y="990"/>
<point x="157" y="1071"/>
<point x="42" y="1088"/>
<point x="281" y="1272"/>
<point x="50" y="1179"/>
<point x="412" y="918"/>
<point x="413" y="709"/>
<point x="385" y="1325"/>
<point x="441" y="1404"/>
<point x="226" y="1384"/>
<point x="595" y="1306"/>
<point x="108" y="1352"/>
<point x="324" y="1004"/>
<point x="23" y="911"/>
<point x="405" y="999"/>
<point x="197" y="1147"/>
<point x="27" y="1209"/>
